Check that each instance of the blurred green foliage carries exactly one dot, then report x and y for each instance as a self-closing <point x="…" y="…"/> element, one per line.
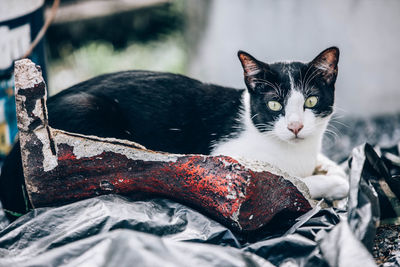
<point x="100" y="57"/>
<point x="154" y="41"/>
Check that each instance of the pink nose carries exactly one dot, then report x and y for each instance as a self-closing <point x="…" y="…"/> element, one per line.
<point x="295" y="127"/>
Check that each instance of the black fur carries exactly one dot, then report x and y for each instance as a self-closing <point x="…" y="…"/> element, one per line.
<point x="161" y="111"/>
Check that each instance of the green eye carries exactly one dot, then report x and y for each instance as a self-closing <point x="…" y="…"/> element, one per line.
<point x="274" y="105"/>
<point x="311" y="102"/>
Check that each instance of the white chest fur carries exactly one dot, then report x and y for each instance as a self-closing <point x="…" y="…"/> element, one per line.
<point x="296" y="158"/>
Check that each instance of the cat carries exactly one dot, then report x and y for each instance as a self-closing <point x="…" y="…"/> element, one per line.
<point x="280" y="118"/>
<point x="287" y="107"/>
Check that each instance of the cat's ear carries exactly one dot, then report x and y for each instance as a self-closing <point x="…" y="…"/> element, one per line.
<point x="327" y="62"/>
<point x="251" y="67"/>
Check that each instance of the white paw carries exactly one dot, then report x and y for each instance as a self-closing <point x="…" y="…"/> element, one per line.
<point x="329" y="187"/>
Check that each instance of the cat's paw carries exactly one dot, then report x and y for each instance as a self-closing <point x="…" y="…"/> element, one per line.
<point x="329" y="187"/>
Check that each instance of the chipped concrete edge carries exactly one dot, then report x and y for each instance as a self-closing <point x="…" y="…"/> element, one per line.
<point x="27" y="75"/>
<point x="260" y="166"/>
<point x="90" y="146"/>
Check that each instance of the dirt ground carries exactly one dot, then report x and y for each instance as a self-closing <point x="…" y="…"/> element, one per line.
<point x="387" y="245"/>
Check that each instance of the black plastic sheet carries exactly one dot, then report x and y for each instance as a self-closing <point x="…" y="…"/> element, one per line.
<point x="117" y="231"/>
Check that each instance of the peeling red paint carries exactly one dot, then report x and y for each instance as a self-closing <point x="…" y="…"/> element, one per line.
<point x="199" y="181"/>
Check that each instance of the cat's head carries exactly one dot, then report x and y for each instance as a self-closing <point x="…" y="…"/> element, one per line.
<point x="291" y="101"/>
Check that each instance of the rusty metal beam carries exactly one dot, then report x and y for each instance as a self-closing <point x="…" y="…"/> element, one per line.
<point x="61" y="167"/>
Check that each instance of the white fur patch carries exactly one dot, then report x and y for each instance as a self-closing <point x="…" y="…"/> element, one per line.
<point x="277" y="147"/>
<point x="332" y="184"/>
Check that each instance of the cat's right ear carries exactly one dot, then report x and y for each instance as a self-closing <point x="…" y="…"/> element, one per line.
<point x="251" y="67"/>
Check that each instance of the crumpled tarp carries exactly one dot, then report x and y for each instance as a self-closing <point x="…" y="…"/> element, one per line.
<point x="113" y="230"/>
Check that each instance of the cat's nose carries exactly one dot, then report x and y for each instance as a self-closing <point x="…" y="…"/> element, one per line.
<point x="295" y="127"/>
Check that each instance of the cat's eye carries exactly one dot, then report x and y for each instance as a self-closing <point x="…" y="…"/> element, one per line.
<point x="311" y="102"/>
<point x="274" y="105"/>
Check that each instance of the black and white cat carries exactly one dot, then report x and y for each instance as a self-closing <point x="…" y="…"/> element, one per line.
<point x="280" y="118"/>
<point x="287" y="107"/>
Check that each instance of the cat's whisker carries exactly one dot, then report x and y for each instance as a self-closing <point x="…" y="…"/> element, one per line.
<point x="305" y="75"/>
<point x="265" y="129"/>
<point x="333" y="131"/>
<point x="337" y="116"/>
<point x="306" y="86"/>
<point x="332" y="135"/>
<point x="262" y="126"/>
<point x="237" y="127"/>
<point x="265" y="81"/>
<point x="312" y="77"/>
<point x="340" y="109"/>
<point x="307" y="90"/>
<point x="340" y="123"/>
<point x="336" y="119"/>
<point x="333" y="126"/>
<point x="330" y="130"/>
<point x="268" y="123"/>
<point x="301" y="77"/>
<point x="279" y="93"/>
<point x="332" y="138"/>
<point x="255" y="115"/>
<point x="319" y="123"/>
<point x="270" y="134"/>
<point x="266" y="126"/>
<point x="274" y="86"/>
<point x="308" y="69"/>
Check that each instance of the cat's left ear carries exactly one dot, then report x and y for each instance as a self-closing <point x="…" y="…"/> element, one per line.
<point x="327" y="62"/>
<point x="251" y="68"/>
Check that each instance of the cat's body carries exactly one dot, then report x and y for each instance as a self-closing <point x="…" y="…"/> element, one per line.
<point x="161" y="111"/>
<point x="271" y="121"/>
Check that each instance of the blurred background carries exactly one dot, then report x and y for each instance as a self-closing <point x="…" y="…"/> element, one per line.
<point x="200" y="38"/>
